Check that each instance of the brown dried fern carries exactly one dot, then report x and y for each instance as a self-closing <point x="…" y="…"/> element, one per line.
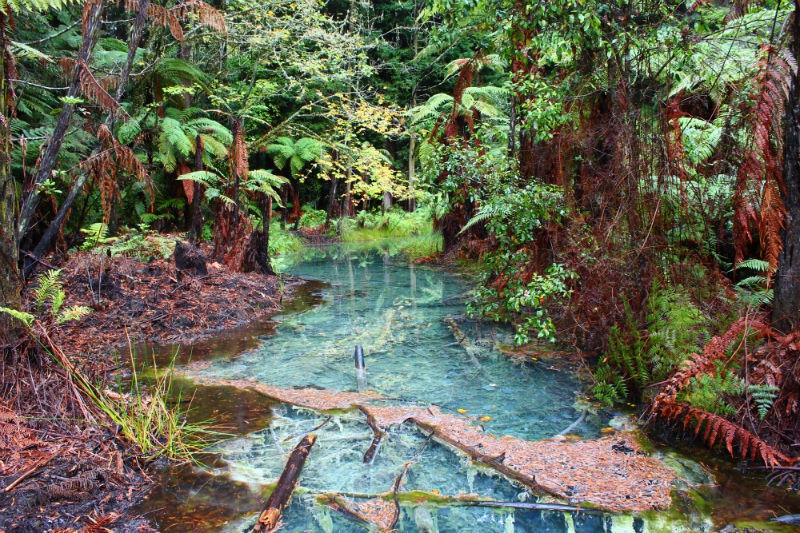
<point x="715" y="429"/>
<point x="676" y="155"/>
<point x="103" y="168"/>
<point x="167" y="19"/>
<point x="760" y="176"/>
<point x="205" y="13"/>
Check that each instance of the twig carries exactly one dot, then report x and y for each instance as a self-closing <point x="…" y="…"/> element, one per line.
<point x="188" y="282"/>
<point x="312" y="430"/>
<point x="27" y="473"/>
<point x="33" y="257"/>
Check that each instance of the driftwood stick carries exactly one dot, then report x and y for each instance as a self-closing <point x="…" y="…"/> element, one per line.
<point x="374" y="448"/>
<point x="574" y="424"/>
<point x="463" y="340"/>
<point x="270" y="517"/>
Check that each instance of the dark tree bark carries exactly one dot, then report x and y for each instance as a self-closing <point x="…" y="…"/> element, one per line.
<point x="256" y="258"/>
<point x="333" y="204"/>
<point x="91" y="20"/>
<point x="189" y="258"/>
<point x="786" y="306"/>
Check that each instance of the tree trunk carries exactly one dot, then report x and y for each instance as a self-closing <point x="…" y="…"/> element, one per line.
<point x="196" y="229"/>
<point x="9" y="209"/>
<point x="412" y="147"/>
<point x="91" y="17"/>
<point x="387" y="201"/>
<point x="52" y="230"/>
<point x="786" y="306"/>
<point x="256" y="258"/>
<point x="333" y="204"/>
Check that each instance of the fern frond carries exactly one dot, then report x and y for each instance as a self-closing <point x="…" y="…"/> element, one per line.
<point x="174" y="138"/>
<point x="22" y="316"/>
<point x="762" y="161"/>
<point x="718" y="430"/>
<point x="764" y="396"/>
<point x="49" y="284"/>
<point x="93" y="90"/>
<point x="205" y="177"/>
<point x="214" y="147"/>
<point x="166" y="19"/>
<point x="481" y="216"/>
<point x="211" y="127"/>
<point x="205" y="13"/>
<point x="75" y="312"/>
<point x="308" y="149"/>
<point x="176" y="71"/>
<point x="757" y="265"/>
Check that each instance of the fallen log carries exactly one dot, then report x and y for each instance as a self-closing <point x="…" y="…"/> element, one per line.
<point x="270" y="517"/>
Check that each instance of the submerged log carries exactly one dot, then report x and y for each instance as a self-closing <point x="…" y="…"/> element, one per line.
<point x="270" y="517"/>
<point x="462" y="339"/>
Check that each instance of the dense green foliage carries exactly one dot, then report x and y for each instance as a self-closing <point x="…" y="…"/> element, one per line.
<point x="607" y="163"/>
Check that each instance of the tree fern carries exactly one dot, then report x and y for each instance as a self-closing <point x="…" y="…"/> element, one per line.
<point x="174" y="71"/>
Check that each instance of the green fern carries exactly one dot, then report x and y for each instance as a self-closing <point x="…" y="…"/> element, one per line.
<point x="22" y="316"/>
<point x="707" y="392"/>
<point x="51" y="287"/>
<point x="174" y="71"/>
<point x="96" y="235"/>
<point x="49" y="284"/>
<point x="764" y="396"/>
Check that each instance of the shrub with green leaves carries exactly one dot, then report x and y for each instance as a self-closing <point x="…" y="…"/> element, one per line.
<point x="514" y="216"/>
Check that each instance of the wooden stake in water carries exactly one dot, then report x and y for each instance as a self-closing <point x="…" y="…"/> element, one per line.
<point x="361" y="368"/>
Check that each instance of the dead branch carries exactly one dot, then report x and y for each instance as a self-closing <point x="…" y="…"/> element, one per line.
<point x="270" y="517"/>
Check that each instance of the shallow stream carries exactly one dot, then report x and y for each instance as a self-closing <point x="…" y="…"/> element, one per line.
<point x="407" y="319"/>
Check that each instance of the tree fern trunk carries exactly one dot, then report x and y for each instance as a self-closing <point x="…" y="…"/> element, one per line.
<point x="786" y="308"/>
<point x="9" y="253"/>
<point x="91" y="22"/>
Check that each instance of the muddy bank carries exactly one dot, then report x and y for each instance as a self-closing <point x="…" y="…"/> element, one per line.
<point x="60" y="473"/>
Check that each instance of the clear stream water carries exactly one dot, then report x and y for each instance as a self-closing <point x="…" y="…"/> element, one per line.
<point x="397" y="312"/>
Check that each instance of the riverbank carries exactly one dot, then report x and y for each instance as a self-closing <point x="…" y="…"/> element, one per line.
<point x="61" y="473"/>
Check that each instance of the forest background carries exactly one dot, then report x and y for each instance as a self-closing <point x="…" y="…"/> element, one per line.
<point x="626" y="174"/>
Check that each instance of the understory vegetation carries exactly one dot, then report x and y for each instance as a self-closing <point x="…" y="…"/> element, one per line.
<point x="625" y="176"/>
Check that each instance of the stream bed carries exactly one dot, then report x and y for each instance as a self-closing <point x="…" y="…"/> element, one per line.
<point x="407" y="318"/>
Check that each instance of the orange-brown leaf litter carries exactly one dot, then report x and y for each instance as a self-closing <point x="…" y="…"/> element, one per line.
<point x="611" y="473"/>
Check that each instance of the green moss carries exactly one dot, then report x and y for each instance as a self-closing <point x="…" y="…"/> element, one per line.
<point x="765" y="527"/>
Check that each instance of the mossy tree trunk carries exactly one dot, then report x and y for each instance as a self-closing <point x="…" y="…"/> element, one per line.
<point x="9" y="207"/>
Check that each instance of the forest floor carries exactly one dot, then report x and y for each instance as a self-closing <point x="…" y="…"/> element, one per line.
<point x="59" y="473"/>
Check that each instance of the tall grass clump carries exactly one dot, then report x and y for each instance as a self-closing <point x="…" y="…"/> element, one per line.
<point x="149" y="416"/>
